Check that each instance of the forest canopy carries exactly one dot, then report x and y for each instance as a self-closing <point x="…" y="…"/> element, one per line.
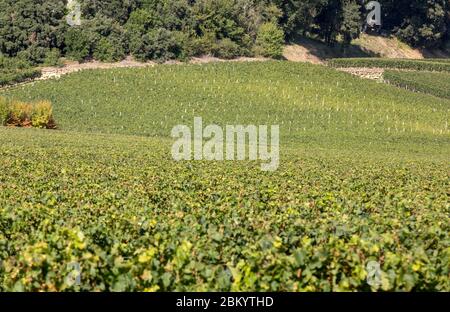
<point x="37" y="31"/>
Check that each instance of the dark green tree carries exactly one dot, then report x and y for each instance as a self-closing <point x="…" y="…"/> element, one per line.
<point x="38" y="24"/>
<point x="351" y="21"/>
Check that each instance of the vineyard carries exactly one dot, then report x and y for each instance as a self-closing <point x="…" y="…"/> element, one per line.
<point x="437" y="84"/>
<point x="363" y="177"/>
<point x="439" y="65"/>
<point x="307" y="101"/>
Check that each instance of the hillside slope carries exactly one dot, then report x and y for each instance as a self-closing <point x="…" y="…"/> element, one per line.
<point x="308" y="50"/>
<point x="307" y="101"/>
<point x="363" y="177"/>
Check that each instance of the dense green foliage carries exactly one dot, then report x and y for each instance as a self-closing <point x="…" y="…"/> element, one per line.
<point x="363" y="176"/>
<point x="417" y="22"/>
<point x="31" y="25"/>
<point x="14" y="70"/>
<point x="165" y="29"/>
<point x="135" y="220"/>
<point x="424" y="65"/>
<point x="16" y="76"/>
<point x="270" y="40"/>
<point x="437" y="84"/>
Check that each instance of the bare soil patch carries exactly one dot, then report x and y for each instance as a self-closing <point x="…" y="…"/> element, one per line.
<point x="363" y="72"/>
<point x="72" y="66"/>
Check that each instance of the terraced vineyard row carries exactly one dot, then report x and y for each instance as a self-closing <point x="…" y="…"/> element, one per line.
<point x="437" y="84"/>
<point x="439" y="65"/>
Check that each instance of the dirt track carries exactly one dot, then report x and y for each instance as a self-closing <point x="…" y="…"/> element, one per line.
<point x="363" y="72"/>
<point x="71" y="67"/>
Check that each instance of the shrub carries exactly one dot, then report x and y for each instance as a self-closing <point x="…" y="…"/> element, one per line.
<point x="78" y="45"/>
<point x="103" y="50"/>
<point x="182" y="40"/>
<point x="19" y="114"/>
<point x="208" y="44"/>
<point x="226" y="49"/>
<point x="3" y="111"/>
<point x="33" y="55"/>
<point x="13" y="70"/>
<point x="141" y="21"/>
<point x="106" y="39"/>
<point x="52" y="58"/>
<point x="107" y="51"/>
<point x="22" y="114"/>
<point x="13" y="63"/>
<point x="16" y="76"/>
<point x="203" y="45"/>
<point x="42" y="114"/>
<point x="270" y="40"/>
<point x="159" y="45"/>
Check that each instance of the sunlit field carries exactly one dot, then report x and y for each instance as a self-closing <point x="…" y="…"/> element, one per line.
<point x="363" y="176"/>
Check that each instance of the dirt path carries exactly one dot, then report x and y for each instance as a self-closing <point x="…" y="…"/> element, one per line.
<point x="363" y="72"/>
<point x="72" y="67"/>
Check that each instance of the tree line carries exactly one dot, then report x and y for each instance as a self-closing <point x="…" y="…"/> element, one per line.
<point x="37" y="31"/>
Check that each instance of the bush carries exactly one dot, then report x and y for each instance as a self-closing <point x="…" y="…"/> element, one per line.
<point x="19" y="114"/>
<point x="141" y="21"/>
<point x="3" y="111"/>
<point x="22" y="114"/>
<point x="78" y="45"/>
<point x="107" y="51"/>
<point x="12" y="77"/>
<point x="42" y="115"/>
<point x="33" y="55"/>
<point x="209" y="45"/>
<point x="52" y="58"/>
<point x="182" y="40"/>
<point x="226" y="49"/>
<point x="270" y="40"/>
<point x="159" y="45"/>
<point x="36" y="55"/>
<point x="203" y="45"/>
<point x="106" y="39"/>
<point x="8" y="63"/>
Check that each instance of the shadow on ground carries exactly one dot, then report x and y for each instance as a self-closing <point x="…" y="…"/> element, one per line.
<point x="303" y="49"/>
